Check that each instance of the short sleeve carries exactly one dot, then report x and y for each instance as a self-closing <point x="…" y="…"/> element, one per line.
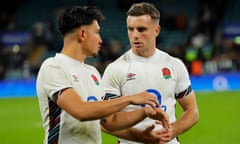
<point x="55" y="79"/>
<point x="111" y="82"/>
<point x="183" y="80"/>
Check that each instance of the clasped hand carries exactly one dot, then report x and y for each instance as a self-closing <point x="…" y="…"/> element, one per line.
<point x="163" y="135"/>
<point x="158" y="114"/>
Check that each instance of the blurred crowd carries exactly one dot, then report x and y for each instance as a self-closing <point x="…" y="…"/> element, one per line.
<point x="205" y="51"/>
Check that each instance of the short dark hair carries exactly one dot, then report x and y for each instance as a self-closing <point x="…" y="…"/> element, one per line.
<point x="74" y="17"/>
<point x="143" y="8"/>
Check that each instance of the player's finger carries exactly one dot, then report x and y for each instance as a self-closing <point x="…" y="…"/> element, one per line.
<point x="153" y="99"/>
<point x="165" y="124"/>
<point x="158" y="122"/>
<point x="152" y="104"/>
<point x="163" y="134"/>
<point x="165" y="119"/>
<point x="150" y="128"/>
<point x="150" y="112"/>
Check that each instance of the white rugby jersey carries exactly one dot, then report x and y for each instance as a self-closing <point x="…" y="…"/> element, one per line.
<point x="55" y="75"/>
<point x="161" y="74"/>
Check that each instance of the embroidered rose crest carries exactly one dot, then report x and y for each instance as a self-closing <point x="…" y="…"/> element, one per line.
<point x="166" y="73"/>
<point x="95" y="79"/>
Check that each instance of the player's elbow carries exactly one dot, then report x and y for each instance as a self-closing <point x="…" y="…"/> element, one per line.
<point x="82" y="117"/>
<point x="105" y="126"/>
<point x="109" y="125"/>
<point x="195" y="116"/>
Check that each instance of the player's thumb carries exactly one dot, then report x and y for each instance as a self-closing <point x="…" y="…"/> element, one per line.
<point x="150" y="128"/>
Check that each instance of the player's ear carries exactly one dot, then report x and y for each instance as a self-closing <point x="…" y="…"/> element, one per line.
<point x="157" y="30"/>
<point x="81" y="34"/>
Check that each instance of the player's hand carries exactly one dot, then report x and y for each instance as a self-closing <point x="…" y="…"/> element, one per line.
<point x="166" y="134"/>
<point x="150" y="136"/>
<point x="163" y="135"/>
<point x="144" y="98"/>
<point x="158" y="114"/>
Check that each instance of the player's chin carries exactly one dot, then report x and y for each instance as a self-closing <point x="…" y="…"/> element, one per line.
<point x="95" y="54"/>
<point x="138" y="48"/>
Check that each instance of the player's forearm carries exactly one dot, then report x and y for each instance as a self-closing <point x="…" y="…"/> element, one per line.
<point x="122" y="120"/>
<point x="96" y="110"/>
<point x="185" y="122"/>
<point x="105" y="108"/>
<point x="130" y="134"/>
<point x="189" y="116"/>
<point x="72" y="103"/>
<point x="125" y="134"/>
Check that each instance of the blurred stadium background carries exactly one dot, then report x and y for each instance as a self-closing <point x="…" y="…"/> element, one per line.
<point x="205" y="34"/>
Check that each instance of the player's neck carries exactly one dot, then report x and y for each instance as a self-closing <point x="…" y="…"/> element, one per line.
<point x="147" y="53"/>
<point x="74" y="52"/>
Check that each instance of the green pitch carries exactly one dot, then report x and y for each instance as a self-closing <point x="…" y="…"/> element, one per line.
<point x="20" y="120"/>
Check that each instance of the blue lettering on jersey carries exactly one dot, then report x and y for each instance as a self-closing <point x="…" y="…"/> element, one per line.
<point x="91" y="98"/>
<point x="159" y="97"/>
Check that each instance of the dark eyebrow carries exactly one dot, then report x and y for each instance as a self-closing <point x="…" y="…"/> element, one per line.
<point x="139" y="29"/>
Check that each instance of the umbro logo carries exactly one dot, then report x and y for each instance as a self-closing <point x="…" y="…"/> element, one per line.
<point x="75" y="78"/>
<point x="131" y="76"/>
